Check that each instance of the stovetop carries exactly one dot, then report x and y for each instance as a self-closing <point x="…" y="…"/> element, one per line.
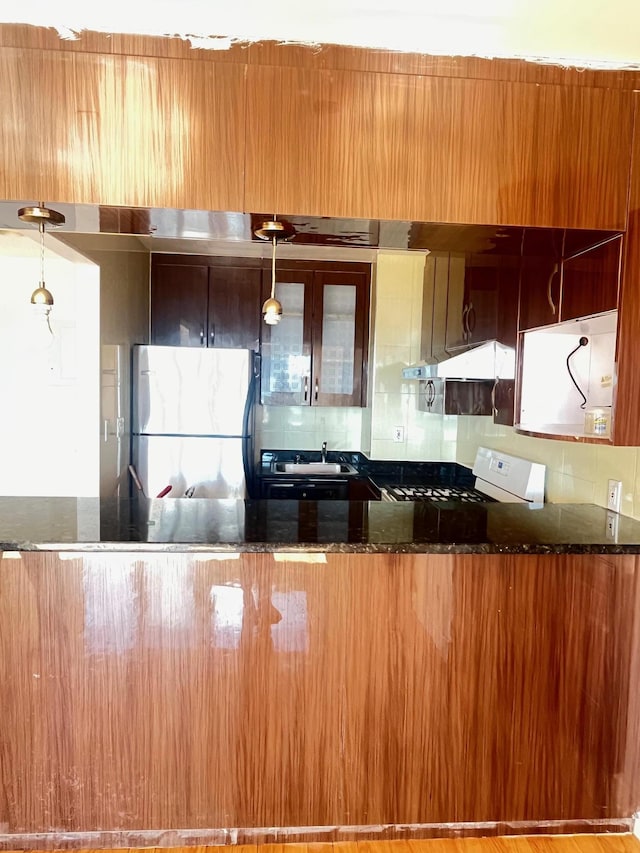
<point x="459" y="494"/>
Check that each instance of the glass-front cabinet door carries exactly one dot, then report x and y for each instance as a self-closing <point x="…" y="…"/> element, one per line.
<point x="340" y="301"/>
<point x="316" y="355"/>
<point x="286" y="347"/>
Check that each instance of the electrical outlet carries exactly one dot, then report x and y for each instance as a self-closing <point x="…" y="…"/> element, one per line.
<point x="398" y="433"/>
<point x="614" y="495"/>
<point x="611" y="531"/>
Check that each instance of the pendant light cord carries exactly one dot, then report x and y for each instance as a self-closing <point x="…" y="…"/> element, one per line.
<point x="41" y="227"/>
<point x="273" y="269"/>
<point x="581" y="343"/>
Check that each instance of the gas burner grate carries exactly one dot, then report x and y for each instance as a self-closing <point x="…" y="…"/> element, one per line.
<point x="458" y="494"/>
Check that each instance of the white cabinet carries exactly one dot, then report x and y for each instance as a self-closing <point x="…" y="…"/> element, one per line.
<point x="551" y="401"/>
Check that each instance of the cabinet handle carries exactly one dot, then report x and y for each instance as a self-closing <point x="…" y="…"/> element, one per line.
<point x="201" y="337"/>
<point x="431" y="393"/>
<point x="306" y="388"/>
<point x="465" y="327"/>
<point x="212" y="334"/>
<point x="316" y="391"/>
<point x="549" y="296"/>
<point x="471" y="313"/>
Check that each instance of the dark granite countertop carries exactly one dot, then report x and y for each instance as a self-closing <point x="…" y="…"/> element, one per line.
<point x="92" y="524"/>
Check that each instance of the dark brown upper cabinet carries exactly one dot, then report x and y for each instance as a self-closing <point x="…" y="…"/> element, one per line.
<point x="563" y="279"/>
<point x="540" y="277"/>
<point x="590" y="281"/>
<point x="202" y="301"/>
<point x="317" y="354"/>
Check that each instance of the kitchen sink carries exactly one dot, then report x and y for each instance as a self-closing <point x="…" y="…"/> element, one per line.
<point x="314" y="469"/>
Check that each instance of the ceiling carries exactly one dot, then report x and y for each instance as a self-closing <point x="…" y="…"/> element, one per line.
<point x="583" y="33"/>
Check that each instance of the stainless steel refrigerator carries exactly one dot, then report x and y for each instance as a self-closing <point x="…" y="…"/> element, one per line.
<point x="193" y="421"/>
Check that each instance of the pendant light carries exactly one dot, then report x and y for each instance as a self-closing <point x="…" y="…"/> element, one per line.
<point x="41" y="298"/>
<point x="274" y="231"/>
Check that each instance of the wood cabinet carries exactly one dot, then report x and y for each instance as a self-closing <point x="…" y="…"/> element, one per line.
<point x="590" y="281"/>
<point x="540" y="277"/>
<point x="205" y="301"/>
<point x="394" y="146"/>
<point x="170" y="131"/>
<point x="196" y="672"/>
<point x="562" y="279"/>
<point x="468" y="299"/>
<point x="503" y="401"/>
<point x="121" y="130"/>
<point x="491" y="298"/>
<point x="317" y="354"/>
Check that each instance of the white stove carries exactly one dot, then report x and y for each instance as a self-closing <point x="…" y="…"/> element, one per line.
<point x="499" y="477"/>
<point x="509" y="478"/>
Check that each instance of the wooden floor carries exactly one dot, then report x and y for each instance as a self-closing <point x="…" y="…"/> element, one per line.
<point x="588" y="843"/>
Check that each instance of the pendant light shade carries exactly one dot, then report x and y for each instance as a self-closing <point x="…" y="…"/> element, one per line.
<point x="274" y="231"/>
<point x="41" y="297"/>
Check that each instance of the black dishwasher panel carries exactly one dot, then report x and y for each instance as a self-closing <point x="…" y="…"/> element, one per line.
<point x="297" y="490"/>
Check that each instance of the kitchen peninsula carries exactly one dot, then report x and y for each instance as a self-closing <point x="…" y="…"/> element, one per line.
<point x="223" y="672"/>
<point x="196" y="671"/>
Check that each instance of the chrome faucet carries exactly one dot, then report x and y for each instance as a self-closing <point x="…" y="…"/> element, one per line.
<point x="323" y="452"/>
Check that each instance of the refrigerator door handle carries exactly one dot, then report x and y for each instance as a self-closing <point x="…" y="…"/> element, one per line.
<point x="247" y="438"/>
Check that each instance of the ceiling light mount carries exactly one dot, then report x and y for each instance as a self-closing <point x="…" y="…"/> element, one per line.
<point x="273" y="228"/>
<point x="41" y="215"/>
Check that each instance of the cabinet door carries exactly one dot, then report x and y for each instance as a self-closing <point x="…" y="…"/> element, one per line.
<point x="441" y="149"/>
<point x="507" y="305"/>
<point x="590" y="281"/>
<point x="457" y="309"/>
<point x="540" y="277"/>
<point x="122" y="130"/>
<point x="481" y="285"/>
<point x="286" y="348"/>
<point x="340" y="314"/>
<point x="235" y="302"/>
<point x="503" y="401"/>
<point x="179" y="295"/>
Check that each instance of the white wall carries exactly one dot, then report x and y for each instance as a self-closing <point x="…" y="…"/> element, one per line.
<point x="124" y="320"/>
<point x="49" y="428"/>
<point x="396" y="330"/>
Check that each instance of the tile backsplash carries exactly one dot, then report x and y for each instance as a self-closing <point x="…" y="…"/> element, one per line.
<point x="306" y="427"/>
<point x="576" y="473"/>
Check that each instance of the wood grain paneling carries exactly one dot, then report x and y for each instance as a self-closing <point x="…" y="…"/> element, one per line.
<point x="121" y="130"/>
<point x="327" y="56"/>
<point x="174" y="692"/>
<point x="626" y="424"/>
<point x="436" y="149"/>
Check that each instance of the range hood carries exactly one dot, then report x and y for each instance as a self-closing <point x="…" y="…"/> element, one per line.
<point x="489" y="360"/>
